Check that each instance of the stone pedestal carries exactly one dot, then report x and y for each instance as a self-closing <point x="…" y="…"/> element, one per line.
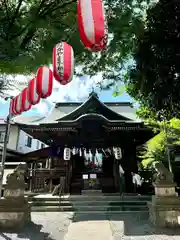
<point x="164" y="189"/>
<point x="14" y="207"/>
<point x="164" y="209"/>
<point x="14" y="213"/>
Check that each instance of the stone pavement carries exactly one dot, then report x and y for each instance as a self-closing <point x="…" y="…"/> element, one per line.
<point x="89" y="230"/>
<point x="69" y="226"/>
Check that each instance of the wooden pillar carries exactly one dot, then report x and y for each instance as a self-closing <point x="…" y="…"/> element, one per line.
<point x="31" y="176"/>
<point x="66" y="177"/>
<point x="115" y="173"/>
<point x="51" y="173"/>
<point x="47" y="163"/>
<point x="129" y="167"/>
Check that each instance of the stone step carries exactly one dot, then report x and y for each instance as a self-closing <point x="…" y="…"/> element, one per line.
<point x="49" y="197"/>
<point x="86" y="210"/>
<point x="91" y="192"/>
<point x="86" y="203"/>
<point x="89" y="203"/>
<point x="93" y="207"/>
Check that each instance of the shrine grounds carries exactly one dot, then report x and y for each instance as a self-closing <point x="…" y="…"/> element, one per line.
<point x="73" y="226"/>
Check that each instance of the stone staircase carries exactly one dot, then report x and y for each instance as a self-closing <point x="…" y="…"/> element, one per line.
<point x="89" y="202"/>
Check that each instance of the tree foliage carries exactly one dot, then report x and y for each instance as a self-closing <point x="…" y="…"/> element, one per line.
<point x="155" y="149"/>
<point x="155" y="78"/>
<point x="5" y="86"/>
<point x="30" y="29"/>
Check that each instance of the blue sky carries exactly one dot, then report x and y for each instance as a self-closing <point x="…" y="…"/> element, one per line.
<point x="76" y="91"/>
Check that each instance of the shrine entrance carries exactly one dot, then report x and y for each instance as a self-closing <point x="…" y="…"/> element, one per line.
<point x="94" y="169"/>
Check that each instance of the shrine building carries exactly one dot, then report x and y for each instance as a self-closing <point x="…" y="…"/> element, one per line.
<point x="90" y="131"/>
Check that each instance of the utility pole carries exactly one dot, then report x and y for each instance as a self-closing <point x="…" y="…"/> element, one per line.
<point x="4" y="151"/>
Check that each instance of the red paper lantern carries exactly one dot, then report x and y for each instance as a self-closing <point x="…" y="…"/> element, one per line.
<point x="63" y="63"/>
<point x="26" y="105"/>
<point x="33" y="97"/>
<point x="18" y="104"/>
<point x="44" y="82"/>
<point x="92" y="24"/>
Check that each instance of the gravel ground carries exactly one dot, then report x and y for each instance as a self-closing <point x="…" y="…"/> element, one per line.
<point x="54" y="226"/>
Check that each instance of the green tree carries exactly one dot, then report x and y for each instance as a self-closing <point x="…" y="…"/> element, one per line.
<point x="155" y="148"/>
<point x="30" y="29"/>
<point x="154" y="80"/>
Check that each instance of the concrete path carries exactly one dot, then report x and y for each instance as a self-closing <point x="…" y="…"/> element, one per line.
<point x="89" y="230"/>
<point x="70" y="226"/>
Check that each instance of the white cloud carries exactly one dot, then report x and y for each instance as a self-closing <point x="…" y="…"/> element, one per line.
<point x="77" y="90"/>
<point x="42" y="108"/>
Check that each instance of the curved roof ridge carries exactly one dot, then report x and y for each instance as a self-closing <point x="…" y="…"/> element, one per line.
<point x="76" y="108"/>
<point x="100" y="102"/>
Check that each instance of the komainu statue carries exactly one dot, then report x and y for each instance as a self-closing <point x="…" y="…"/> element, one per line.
<point x="16" y="179"/>
<point x="163" y="175"/>
<point x="21" y="170"/>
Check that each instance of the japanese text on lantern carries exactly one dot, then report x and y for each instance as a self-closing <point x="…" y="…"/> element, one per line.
<point x="60" y="60"/>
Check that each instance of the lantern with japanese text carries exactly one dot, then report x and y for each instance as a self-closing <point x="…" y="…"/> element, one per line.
<point x="44" y="82"/>
<point x="33" y="97"/>
<point x="67" y="154"/>
<point x="26" y="105"/>
<point x="63" y="63"/>
<point x="18" y="104"/>
<point x="92" y="24"/>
